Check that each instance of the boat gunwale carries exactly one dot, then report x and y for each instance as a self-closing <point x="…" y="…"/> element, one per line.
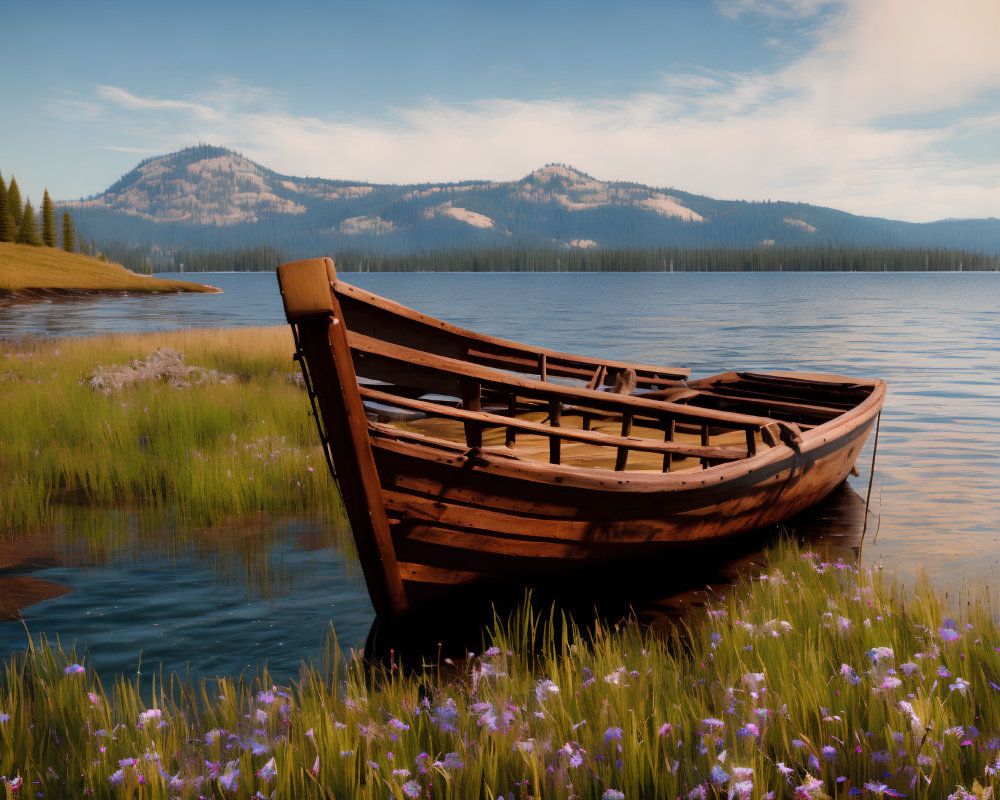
<point x="570" y="394"/>
<point x="396" y="308"/>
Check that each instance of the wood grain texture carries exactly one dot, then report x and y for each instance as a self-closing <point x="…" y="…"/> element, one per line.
<point x="455" y="473"/>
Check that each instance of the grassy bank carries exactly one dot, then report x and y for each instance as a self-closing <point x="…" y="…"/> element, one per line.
<point x="813" y="680"/>
<point x="26" y="270"/>
<point x="208" y="422"/>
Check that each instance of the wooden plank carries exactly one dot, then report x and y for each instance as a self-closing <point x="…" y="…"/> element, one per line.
<point x="668" y="436"/>
<point x="425" y="573"/>
<point x="621" y="458"/>
<point x="305" y="288"/>
<point x="529" y="529"/>
<point x="472" y="398"/>
<point x="320" y="336"/>
<point x="510" y="436"/>
<point x="403" y="358"/>
<point x="589" y="437"/>
<point x="478" y="541"/>
<point x="767" y="405"/>
<point x="364" y="308"/>
<point x="555" y="411"/>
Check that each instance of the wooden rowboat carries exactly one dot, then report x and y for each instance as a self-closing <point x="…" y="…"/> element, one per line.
<point x="468" y="460"/>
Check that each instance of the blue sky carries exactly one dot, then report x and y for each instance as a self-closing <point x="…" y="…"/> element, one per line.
<point x="879" y="107"/>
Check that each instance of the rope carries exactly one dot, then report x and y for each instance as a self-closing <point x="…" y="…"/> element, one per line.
<point x="871" y="479"/>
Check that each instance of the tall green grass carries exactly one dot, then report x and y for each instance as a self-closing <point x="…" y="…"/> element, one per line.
<point x="26" y="269"/>
<point x="215" y="451"/>
<point x="810" y="680"/>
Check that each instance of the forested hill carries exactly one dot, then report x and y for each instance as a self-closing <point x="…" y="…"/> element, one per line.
<point x="210" y="198"/>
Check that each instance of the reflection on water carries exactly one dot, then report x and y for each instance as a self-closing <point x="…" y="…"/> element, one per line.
<point x="656" y="592"/>
<point x="136" y="589"/>
<point x="215" y="602"/>
<point x="934" y="337"/>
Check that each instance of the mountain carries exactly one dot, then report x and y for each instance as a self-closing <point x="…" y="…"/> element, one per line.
<point x="212" y="198"/>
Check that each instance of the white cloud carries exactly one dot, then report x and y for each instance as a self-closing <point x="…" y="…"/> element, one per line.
<point x="785" y="9"/>
<point x="825" y="128"/>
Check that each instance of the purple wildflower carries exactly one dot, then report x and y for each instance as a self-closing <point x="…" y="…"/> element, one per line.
<point x="718" y="775"/>
<point x="613" y="794"/>
<point x="411" y="788"/>
<point x="453" y="761"/>
<point x="943" y="672"/>
<point x="809" y="789"/>
<point x="830" y="753"/>
<point x="74" y="669"/>
<point x="711" y="722"/>
<point x="146" y="716"/>
<point x="544" y="689"/>
<point x="961" y="685"/>
<point x="228" y="779"/>
<point x="741" y="789"/>
<point x="948" y="634"/>
<point x="848" y="672"/>
<point x="879" y="654"/>
<point x="268" y="771"/>
<point x="612" y="734"/>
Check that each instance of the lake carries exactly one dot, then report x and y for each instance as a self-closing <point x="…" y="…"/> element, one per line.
<point x="935" y="501"/>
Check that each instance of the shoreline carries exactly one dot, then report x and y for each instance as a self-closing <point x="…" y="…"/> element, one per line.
<point x="41" y="294"/>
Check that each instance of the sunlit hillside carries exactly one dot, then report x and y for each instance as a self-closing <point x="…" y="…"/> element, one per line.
<point x="24" y="269"/>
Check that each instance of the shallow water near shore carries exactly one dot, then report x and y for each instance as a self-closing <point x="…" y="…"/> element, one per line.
<point x="935" y="504"/>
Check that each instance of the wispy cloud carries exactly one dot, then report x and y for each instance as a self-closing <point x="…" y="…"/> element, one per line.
<point x="779" y="9"/>
<point x="827" y="127"/>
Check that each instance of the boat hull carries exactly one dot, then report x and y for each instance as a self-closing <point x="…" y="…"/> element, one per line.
<point x="502" y="476"/>
<point x="458" y="520"/>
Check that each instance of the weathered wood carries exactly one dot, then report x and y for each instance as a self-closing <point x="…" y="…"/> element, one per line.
<point x="443" y="371"/>
<point x="555" y="413"/>
<point x="393" y="322"/>
<point x="490" y="479"/>
<point x="510" y="438"/>
<point x="472" y="398"/>
<point x="621" y="459"/>
<point x="343" y="414"/>
<point x="484" y="418"/>
<point x="668" y="436"/>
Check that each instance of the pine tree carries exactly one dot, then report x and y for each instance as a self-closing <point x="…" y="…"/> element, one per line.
<point x="14" y="201"/>
<point x="27" y="231"/>
<point x="68" y="233"/>
<point x="48" y="221"/>
<point x="7" y="227"/>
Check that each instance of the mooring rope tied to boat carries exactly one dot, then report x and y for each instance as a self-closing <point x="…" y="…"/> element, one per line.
<point x="871" y="479"/>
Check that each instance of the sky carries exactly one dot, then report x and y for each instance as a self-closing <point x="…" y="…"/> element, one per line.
<point x="886" y="108"/>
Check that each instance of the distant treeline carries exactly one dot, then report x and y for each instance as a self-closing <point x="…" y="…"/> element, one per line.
<point x="141" y="259"/>
<point x="755" y="259"/>
<point x="722" y="259"/>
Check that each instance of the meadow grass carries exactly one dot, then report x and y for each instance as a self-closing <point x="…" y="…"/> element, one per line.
<point x="25" y="268"/>
<point x="810" y="680"/>
<point x="98" y="421"/>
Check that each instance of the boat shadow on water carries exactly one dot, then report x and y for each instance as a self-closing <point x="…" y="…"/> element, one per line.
<point x="660" y="594"/>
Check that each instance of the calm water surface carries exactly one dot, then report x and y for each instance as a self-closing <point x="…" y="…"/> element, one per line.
<point x="936" y="489"/>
